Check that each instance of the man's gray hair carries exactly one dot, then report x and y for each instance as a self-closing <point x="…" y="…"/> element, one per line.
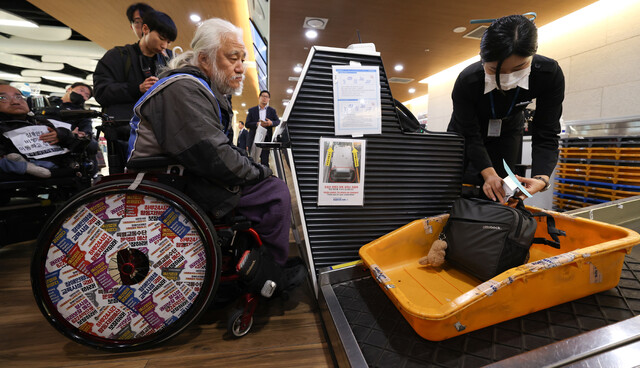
<point x="207" y="40"/>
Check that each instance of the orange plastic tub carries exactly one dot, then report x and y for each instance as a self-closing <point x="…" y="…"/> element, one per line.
<point x="440" y="303"/>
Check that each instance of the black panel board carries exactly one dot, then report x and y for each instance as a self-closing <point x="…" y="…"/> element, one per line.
<point x="407" y="175"/>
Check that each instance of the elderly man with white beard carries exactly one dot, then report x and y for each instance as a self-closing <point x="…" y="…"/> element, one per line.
<point x="185" y="115"/>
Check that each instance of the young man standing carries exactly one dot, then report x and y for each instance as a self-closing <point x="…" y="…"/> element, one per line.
<point x="125" y="73"/>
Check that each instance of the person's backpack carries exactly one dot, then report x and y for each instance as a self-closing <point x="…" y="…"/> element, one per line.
<point x="486" y="238"/>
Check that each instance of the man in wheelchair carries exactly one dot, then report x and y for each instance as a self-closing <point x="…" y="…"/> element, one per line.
<point x="186" y="116"/>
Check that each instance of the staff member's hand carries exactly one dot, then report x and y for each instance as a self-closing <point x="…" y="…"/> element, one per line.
<point x="144" y="86"/>
<point x="492" y="186"/>
<point x="532" y="185"/>
<point x="51" y="137"/>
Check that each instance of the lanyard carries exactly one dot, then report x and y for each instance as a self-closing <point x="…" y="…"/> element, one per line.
<point x="493" y="109"/>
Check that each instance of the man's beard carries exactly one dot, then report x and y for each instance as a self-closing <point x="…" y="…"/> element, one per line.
<point x="222" y="83"/>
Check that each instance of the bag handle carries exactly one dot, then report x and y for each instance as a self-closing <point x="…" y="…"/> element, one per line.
<point x="553" y="231"/>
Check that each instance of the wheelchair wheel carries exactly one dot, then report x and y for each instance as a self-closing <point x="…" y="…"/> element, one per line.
<point x="237" y="325"/>
<point x="120" y="269"/>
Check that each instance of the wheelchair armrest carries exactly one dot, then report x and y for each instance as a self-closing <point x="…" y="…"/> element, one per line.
<point x="142" y="163"/>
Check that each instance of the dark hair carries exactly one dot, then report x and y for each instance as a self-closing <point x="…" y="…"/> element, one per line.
<point x="161" y="23"/>
<point x="506" y="36"/>
<point x="264" y="91"/>
<point x="76" y="84"/>
<point x="140" y="7"/>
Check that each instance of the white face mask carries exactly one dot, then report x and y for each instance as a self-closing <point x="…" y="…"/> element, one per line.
<point x="509" y="81"/>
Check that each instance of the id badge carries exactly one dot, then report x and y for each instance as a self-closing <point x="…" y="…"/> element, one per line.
<point x="495" y="125"/>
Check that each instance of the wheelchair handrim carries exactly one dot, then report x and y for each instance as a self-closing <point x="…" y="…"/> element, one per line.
<point x="184" y="207"/>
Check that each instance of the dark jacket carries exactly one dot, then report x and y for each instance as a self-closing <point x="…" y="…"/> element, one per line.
<point x="252" y="123"/>
<point x="190" y="130"/>
<point x="118" y="76"/>
<point x="242" y="139"/>
<point x="472" y="111"/>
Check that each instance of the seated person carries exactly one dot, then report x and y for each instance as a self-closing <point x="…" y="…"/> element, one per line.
<point x="186" y="116"/>
<point x="74" y="99"/>
<point x="14" y="114"/>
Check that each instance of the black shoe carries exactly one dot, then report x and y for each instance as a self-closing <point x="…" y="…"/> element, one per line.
<point x="293" y="276"/>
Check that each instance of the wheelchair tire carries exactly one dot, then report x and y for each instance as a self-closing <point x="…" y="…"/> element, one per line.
<point x="119" y="269"/>
<point x="235" y="326"/>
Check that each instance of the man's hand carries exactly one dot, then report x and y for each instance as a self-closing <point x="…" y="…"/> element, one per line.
<point x="492" y="186"/>
<point x="147" y="84"/>
<point x="78" y="133"/>
<point x="266" y="123"/>
<point x="51" y="137"/>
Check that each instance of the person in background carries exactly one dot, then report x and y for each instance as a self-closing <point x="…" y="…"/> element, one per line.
<point x="15" y="114"/>
<point x="125" y="73"/>
<point x="489" y="98"/>
<point x="265" y="116"/>
<point x="74" y="98"/>
<point x="135" y="13"/>
<point x="243" y="133"/>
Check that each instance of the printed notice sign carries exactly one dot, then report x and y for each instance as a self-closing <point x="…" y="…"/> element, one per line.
<point x="341" y="177"/>
<point x="27" y="141"/>
<point x="356" y="100"/>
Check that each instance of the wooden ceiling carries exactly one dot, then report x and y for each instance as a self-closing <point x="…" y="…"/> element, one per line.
<point x="415" y="33"/>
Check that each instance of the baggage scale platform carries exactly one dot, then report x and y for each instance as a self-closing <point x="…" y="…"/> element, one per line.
<point x="366" y="329"/>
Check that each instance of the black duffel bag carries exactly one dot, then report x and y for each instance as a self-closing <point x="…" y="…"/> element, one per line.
<point x="486" y="238"/>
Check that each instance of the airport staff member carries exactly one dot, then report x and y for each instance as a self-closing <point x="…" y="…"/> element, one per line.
<point x="489" y="98"/>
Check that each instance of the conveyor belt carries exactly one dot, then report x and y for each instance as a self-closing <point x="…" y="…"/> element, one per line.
<point x="385" y="339"/>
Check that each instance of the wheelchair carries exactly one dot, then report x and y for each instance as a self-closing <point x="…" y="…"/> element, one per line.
<point x="131" y="262"/>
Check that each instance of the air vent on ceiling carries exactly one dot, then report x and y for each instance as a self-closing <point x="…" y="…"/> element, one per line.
<point x="477" y="33"/>
<point x="293" y="79"/>
<point x="400" y="80"/>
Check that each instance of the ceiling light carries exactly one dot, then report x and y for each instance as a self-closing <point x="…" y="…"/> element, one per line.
<point x="398" y="67"/>
<point x="58" y="77"/>
<point x="289" y="90"/>
<point x="412" y="90"/>
<point x="25" y="62"/>
<point x="195" y="18"/>
<point x="9" y="19"/>
<point x="18" y="78"/>
<point x="243" y="104"/>
<point x="75" y="61"/>
<point x="459" y="29"/>
<point x="315" y="22"/>
<point x="311" y="34"/>
<point x="297" y="68"/>
<point x="285" y="103"/>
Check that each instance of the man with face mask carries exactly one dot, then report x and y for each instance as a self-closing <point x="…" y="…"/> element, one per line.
<point x="489" y="98"/>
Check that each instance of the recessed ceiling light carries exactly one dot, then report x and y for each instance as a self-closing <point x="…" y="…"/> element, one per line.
<point x="285" y="103"/>
<point x="311" y="34"/>
<point x="289" y="90"/>
<point x="315" y="22"/>
<point x="398" y="67"/>
<point x="412" y="90"/>
<point x="243" y="104"/>
<point x="195" y="18"/>
<point x="459" y="29"/>
<point x="297" y="68"/>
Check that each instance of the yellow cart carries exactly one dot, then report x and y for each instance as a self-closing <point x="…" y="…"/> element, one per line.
<point x="440" y="303"/>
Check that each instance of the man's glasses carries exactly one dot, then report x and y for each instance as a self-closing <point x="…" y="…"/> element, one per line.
<point x="7" y="99"/>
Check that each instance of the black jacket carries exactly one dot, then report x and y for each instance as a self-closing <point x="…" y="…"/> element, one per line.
<point x="252" y="123"/>
<point x="118" y="76"/>
<point x="243" y="139"/>
<point x="472" y="111"/>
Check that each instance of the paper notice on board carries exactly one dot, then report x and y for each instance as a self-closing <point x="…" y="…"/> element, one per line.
<point x="356" y="100"/>
<point x="341" y="172"/>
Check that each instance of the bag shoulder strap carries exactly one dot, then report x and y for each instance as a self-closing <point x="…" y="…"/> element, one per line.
<point x="553" y="231"/>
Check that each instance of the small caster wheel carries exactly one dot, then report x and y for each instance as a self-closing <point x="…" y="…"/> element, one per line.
<point x="235" y="325"/>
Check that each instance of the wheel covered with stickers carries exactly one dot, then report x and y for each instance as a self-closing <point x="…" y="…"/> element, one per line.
<point x="123" y="269"/>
